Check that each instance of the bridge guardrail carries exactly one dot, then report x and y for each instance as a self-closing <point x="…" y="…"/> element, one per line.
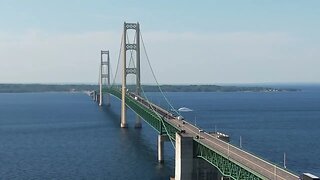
<point x="247" y="152"/>
<point x="255" y="156"/>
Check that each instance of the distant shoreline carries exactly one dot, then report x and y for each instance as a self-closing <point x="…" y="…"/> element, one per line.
<point x="24" y="88"/>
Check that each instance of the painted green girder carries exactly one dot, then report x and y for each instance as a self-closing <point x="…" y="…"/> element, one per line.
<point x="223" y="164"/>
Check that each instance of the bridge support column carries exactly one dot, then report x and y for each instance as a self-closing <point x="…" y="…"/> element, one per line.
<point x="124" y="80"/>
<point x="97" y="97"/>
<point x="183" y="157"/>
<point x="138" y="77"/>
<point x="123" y="123"/>
<point x="104" y="75"/>
<point x="130" y="70"/>
<point x="94" y="96"/>
<point x="161" y="140"/>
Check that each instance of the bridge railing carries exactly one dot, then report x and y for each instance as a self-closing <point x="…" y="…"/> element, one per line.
<point x="243" y="157"/>
<point x="278" y="168"/>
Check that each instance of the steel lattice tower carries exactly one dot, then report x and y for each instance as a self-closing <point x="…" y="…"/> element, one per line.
<point x="125" y="71"/>
<point x="104" y="76"/>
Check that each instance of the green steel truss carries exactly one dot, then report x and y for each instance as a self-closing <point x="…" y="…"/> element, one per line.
<point x="223" y="164"/>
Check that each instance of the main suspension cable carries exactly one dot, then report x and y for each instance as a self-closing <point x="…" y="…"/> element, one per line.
<point x="152" y="108"/>
<point x="115" y="75"/>
<point x="154" y="76"/>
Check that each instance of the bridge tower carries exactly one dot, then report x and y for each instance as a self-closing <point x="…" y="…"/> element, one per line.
<point x="125" y="71"/>
<point x="104" y="76"/>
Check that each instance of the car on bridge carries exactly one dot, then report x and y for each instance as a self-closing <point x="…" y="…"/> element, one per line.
<point x="180" y="118"/>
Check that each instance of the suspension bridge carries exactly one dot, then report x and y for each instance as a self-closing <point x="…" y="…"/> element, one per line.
<point x="190" y="142"/>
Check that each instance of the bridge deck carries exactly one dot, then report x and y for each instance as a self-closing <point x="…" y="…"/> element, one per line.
<point x="230" y="160"/>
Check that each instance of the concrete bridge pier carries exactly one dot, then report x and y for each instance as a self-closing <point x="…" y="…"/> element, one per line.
<point x="94" y="95"/>
<point x="161" y="140"/>
<point x="100" y="99"/>
<point x="97" y="97"/>
<point x="183" y="157"/>
<point x="188" y="167"/>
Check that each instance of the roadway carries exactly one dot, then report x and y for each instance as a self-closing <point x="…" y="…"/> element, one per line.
<point x="235" y="154"/>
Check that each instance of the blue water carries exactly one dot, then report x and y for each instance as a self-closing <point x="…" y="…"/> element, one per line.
<point x="67" y="136"/>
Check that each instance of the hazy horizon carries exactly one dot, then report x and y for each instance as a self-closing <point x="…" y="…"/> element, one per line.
<point x="177" y="84"/>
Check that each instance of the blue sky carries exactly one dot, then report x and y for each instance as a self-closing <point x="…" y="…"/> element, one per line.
<point x="202" y="42"/>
